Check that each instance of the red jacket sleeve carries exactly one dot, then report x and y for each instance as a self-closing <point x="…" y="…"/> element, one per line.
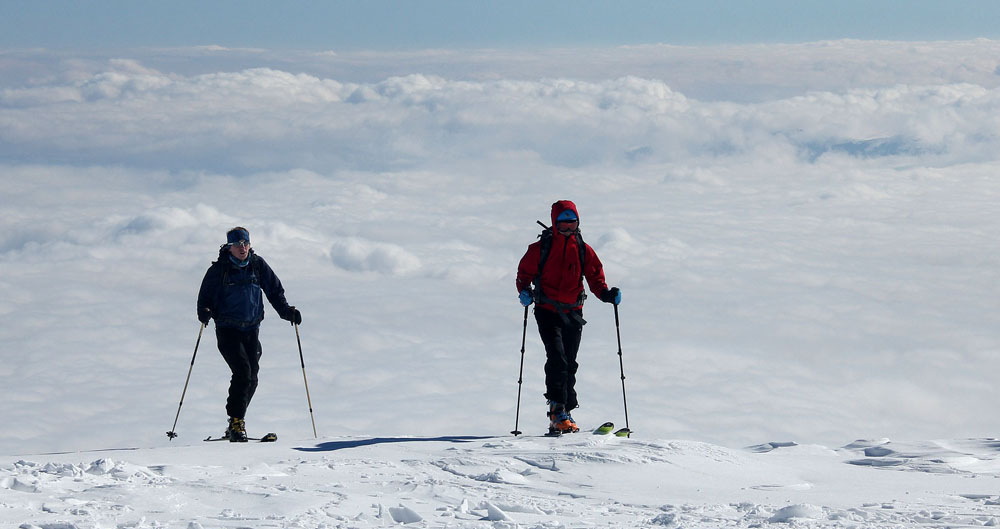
<point x="528" y="267"/>
<point x="594" y="272"/>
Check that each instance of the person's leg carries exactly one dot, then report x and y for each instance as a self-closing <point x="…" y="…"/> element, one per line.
<point x="251" y="342"/>
<point x="556" y="367"/>
<point x="571" y="336"/>
<point x="231" y="345"/>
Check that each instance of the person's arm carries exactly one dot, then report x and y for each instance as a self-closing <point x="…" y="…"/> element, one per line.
<point x="527" y="268"/>
<point x="593" y="271"/>
<point x="275" y="293"/>
<point x="207" y="294"/>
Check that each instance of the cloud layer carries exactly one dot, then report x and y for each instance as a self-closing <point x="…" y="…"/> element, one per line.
<point x="814" y="261"/>
<point x="262" y="119"/>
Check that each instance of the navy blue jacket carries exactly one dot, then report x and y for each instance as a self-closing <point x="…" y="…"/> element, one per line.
<point x="233" y="293"/>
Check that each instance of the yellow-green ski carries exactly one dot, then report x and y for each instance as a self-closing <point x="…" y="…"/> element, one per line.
<point x="605" y="428"/>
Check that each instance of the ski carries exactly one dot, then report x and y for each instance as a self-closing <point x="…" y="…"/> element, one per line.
<point x="624" y="432"/>
<point x="605" y="428"/>
<point x="268" y="438"/>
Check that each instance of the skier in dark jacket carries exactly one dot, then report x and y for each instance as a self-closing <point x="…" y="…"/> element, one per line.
<point x="231" y="295"/>
<point x="551" y="274"/>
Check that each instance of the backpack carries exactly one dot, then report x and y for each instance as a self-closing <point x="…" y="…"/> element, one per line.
<point x="563" y="309"/>
<point x="546" y="247"/>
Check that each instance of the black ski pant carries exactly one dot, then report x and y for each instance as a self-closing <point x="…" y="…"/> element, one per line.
<point x="561" y="337"/>
<point x="241" y="350"/>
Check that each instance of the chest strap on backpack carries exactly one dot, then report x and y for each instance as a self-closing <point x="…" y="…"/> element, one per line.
<point x="254" y="269"/>
<point x="566" y="311"/>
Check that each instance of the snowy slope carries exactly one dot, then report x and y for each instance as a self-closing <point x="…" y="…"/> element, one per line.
<point x="581" y="480"/>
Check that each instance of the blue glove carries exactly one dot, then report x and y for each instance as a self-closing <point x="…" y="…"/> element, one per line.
<point x="612" y="295"/>
<point x="526" y="297"/>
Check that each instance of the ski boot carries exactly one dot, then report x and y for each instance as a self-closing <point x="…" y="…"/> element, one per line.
<point x="572" y="420"/>
<point x="559" y="420"/>
<point x="236" y="432"/>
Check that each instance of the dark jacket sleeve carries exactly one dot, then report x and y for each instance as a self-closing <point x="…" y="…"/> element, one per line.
<point x="272" y="288"/>
<point x="209" y="290"/>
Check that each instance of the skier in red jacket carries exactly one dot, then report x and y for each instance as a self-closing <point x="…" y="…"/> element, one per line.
<point x="551" y="275"/>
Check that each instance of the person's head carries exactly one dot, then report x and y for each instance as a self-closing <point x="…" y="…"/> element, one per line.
<point x="565" y="218"/>
<point x="238" y="241"/>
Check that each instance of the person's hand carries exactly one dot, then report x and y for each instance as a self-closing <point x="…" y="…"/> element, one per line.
<point x="612" y="295"/>
<point x="204" y="315"/>
<point x="295" y="316"/>
<point x="526" y="297"/>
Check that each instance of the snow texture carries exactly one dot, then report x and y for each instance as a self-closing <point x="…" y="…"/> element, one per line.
<point x="603" y="481"/>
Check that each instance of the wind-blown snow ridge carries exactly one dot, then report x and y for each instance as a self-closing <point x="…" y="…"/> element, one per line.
<point x="964" y="456"/>
<point x="470" y="482"/>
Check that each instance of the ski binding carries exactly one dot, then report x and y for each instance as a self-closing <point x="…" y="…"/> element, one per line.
<point x="267" y="438"/>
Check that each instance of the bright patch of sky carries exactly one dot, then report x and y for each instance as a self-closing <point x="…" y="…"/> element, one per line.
<point x="394" y="25"/>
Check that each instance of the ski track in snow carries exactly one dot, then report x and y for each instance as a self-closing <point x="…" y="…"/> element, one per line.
<point x="575" y="481"/>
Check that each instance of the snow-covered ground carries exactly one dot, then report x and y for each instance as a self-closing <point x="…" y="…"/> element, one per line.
<point x="579" y="480"/>
<point x="805" y="237"/>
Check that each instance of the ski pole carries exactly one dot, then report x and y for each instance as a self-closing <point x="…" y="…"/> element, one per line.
<point x="308" y="399"/>
<point x="520" y="376"/>
<point x="621" y="365"/>
<point x="171" y="434"/>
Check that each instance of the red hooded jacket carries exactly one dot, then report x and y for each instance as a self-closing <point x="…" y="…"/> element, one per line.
<point x="560" y="280"/>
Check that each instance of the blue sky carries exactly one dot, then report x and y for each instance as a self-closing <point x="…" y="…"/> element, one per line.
<point x="387" y="25"/>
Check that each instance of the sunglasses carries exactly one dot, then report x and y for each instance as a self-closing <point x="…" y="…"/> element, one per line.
<point x="242" y="244"/>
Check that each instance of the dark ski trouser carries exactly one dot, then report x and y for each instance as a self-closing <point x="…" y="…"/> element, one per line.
<point x="241" y="350"/>
<point x="561" y="338"/>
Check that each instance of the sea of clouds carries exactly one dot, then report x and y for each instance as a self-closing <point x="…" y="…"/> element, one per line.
<point x="804" y="235"/>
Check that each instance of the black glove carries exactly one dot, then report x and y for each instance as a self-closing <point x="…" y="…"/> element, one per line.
<point x="294" y="316"/>
<point x="204" y="315"/>
<point x="611" y="295"/>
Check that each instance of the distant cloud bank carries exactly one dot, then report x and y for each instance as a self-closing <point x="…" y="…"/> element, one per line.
<point x="657" y="104"/>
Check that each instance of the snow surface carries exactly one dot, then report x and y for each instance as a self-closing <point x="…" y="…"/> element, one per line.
<point x="579" y="480"/>
<point x="805" y="238"/>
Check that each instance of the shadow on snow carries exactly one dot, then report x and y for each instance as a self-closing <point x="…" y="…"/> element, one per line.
<point x="330" y="446"/>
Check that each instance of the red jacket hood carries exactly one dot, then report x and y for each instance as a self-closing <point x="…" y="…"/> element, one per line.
<point x="560" y="206"/>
